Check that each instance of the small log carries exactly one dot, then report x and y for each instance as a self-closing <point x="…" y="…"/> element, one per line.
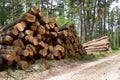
<point x="40" y="14"/>
<point x="29" y="32"/>
<point x="22" y="64"/>
<point x="56" y="29"/>
<point x="50" y="48"/>
<point x="59" y="48"/>
<point x="31" y="47"/>
<point x="62" y="34"/>
<point x="51" y="25"/>
<point x="47" y="32"/>
<point x="43" y="52"/>
<point x="56" y="53"/>
<point x="21" y="35"/>
<point x="17" y="58"/>
<point x="64" y="27"/>
<point x="25" y="53"/>
<point x="31" y="53"/>
<point x="37" y="23"/>
<point x="19" y="43"/>
<point x="35" y="10"/>
<point x="41" y="44"/>
<point x="40" y="30"/>
<point x="29" y="38"/>
<point x="57" y="41"/>
<point x="13" y="32"/>
<point x="33" y="27"/>
<point x="44" y="20"/>
<point x="6" y="39"/>
<point x="29" y="17"/>
<point x="39" y="37"/>
<point x="7" y="57"/>
<point x="21" y="26"/>
<point x="47" y="27"/>
<point x="53" y="34"/>
<point x="18" y="50"/>
<point x="1" y="60"/>
<point x="9" y="63"/>
<point x="8" y="51"/>
<point x="35" y="41"/>
<point x="50" y="56"/>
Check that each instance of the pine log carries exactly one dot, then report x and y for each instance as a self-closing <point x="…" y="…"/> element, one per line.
<point x="44" y="20"/>
<point x="51" y="25"/>
<point x="62" y="34"/>
<point x="7" y="57"/>
<point x="53" y="34"/>
<point x="22" y="64"/>
<point x="57" y="41"/>
<point x="39" y="37"/>
<point x="40" y="14"/>
<point x="31" y="48"/>
<point x="50" y="56"/>
<point x="25" y="53"/>
<point x="35" y="41"/>
<point x="21" y="35"/>
<point x="56" y="29"/>
<point x="43" y="52"/>
<point x="41" y="44"/>
<point x="35" y="10"/>
<point x="8" y="51"/>
<point x="1" y="60"/>
<point x="52" y="20"/>
<point x="20" y="26"/>
<point x="29" y="17"/>
<point x="59" y="48"/>
<point x="47" y="27"/>
<point x="97" y="40"/>
<point x="17" y="58"/>
<point x="40" y="30"/>
<point x="13" y="32"/>
<point x="64" y="27"/>
<point x="19" y="43"/>
<point x="56" y="53"/>
<point x="6" y="39"/>
<point x="29" y="38"/>
<point x="47" y="32"/>
<point x="9" y="63"/>
<point x="50" y="48"/>
<point x="33" y="27"/>
<point x="37" y="23"/>
<point x="29" y="32"/>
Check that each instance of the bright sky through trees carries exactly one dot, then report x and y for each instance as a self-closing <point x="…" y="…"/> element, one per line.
<point x="114" y="4"/>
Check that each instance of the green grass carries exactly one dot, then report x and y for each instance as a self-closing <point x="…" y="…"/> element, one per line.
<point x="98" y="56"/>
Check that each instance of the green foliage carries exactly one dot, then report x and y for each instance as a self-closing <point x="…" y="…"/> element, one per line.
<point x="98" y="56"/>
<point x="61" y="21"/>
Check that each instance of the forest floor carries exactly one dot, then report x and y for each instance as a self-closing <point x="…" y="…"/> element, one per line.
<point x="107" y="68"/>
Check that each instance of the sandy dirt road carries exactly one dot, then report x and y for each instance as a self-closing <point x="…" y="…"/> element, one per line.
<point x="103" y="69"/>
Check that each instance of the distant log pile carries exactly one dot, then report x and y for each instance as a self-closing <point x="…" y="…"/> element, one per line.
<point x="98" y="45"/>
<point x="34" y="36"/>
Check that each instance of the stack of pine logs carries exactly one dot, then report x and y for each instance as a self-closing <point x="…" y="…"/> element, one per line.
<point x="34" y="36"/>
<point x="101" y="44"/>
